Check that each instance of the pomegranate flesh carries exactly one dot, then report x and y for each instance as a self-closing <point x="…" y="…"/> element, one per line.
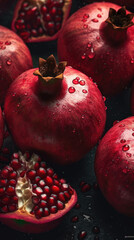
<point x="58" y="110"/>
<point x="32" y="197"/>
<point x="114" y="166"/>
<point x="1" y="128"/>
<point x="98" y="40"/>
<point x="36" y="21"/>
<point x="15" y="58"/>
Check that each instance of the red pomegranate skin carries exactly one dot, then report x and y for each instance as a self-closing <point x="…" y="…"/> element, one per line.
<point x="92" y="46"/>
<point x="1" y="128"/>
<point x="114" y="166"/>
<point x="15" y="58"/>
<point x="65" y="126"/>
<point x="127" y="3"/>
<point x="132" y="99"/>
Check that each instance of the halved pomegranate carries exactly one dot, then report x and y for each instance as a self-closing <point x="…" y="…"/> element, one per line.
<point x="32" y="197"/>
<point x="40" y="20"/>
<point x="1" y="128"/>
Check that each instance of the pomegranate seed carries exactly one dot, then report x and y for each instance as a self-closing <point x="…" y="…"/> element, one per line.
<point x="60" y="205"/>
<point x="39" y="213"/>
<point x="62" y="181"/>
<point x="74" y="219"/>
<point x="14" y="199"/>
<point x="55" y="189"/>
<point x="47" y="190"/>
<point x="43" y="164"/>
<point x="50" y="171"/>
<point x="54" y="196"/>
<point x="13" y="175"/>
<point x="35" y="200"/>
<point x="46" y="212"/>
<point x="51" y="201"/>
<point x="40" y="30"/>
<point x="36" y="166"/>
<point x="25" y="35"/>
<point x="58" y="26"/>
<point x="53" y="11"/>
<point x="41" y="172"/>
<point x="67" y="195"/>
<point x="21" y="14"/>
<point x="12" y="207"/>
<point x="44" y="9"/>
<point x="12" y="182"/>
<point x="47" y="17"/>
<point x="15" y="164"/>
<point x="70" y="190"/>
<point x="5" y="173"/>
<point x="55" y="176"/>
<point x="15" y="155"/>
<point x="41" y="183"/>
<point x="57" y="18"/>
<point x="10" y="190"/>
<point x="3" y="182"/>
<point x="38" y="191"/>
<point x="37" y="179"/>
<point x="4" y="209"/>
<point x="31" y="174"/>
<point x="61" y="197"/>
<point x="53" y="209"/>
<point x="5" y="200"/>
<point x="64" y="187"/>
<point x="34" y="186"/>
<point x="22" y="174"/>
<point x="2" y="190"/>
<point x="44" y="196"/>
<point x="43" y="204"/>
<point x="77" y="206"/>
<point x="56" y="182"/>
<point x="86" y="187"/>
<point x="34" y="33"/>
<point x="49" y="181"/>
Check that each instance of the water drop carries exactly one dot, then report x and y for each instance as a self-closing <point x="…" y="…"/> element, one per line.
<point x="83" y="56"/>
<point x="91" y="79"/>
<point x="74" y="219"/>
<point x="84" y="20"/>
<point x="128" y="155"/>
<point x="125" y="148"/>
<point x="71" y="90"/>
<point x="82" y="235"/>
<point x="91" y="54"/>
<point x="86" y="15"/>
<point x="95" y="20"/>
<point x="8" y="43"/>
<point x="122" y="125"/>
<point x="132" y="60"/>
<point x="85" y="26"/>
<point x="82" y="82"/>
<point x="84" y="91"/>
<point x="75" y="81"/>
<point x="9" y="61"/>
<point x="99" y="15"/>
<point x="122" y="141"/>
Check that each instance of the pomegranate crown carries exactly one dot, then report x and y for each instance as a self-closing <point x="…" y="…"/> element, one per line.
<point x="49" y="70"/>
<point x="120" y="19"/>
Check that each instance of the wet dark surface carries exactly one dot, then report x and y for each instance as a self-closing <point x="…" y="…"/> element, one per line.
<point x="94" y="215"/>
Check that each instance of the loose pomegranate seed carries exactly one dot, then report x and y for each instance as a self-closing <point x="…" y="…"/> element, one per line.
<point x="55" y="189"/>
<point x="15" y="164"/>
<point x="53" y="209"/>
<point x="86" y="187"/>
<point x="41" y="172"/>
<point x="10" y="190"/>
<point x="49" y="180"/>
<point x="60" y="205"/>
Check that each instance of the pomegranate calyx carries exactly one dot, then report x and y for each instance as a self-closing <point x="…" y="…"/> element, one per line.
<point x="120" y="19"/>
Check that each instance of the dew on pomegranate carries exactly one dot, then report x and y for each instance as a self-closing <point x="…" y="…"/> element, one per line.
<point x="83" y="56"/>
<point x="85" y="26"/>
<point x="86" y="15"/>
<point x="115" y="122"/>
<point x="91" y="54"/>
<point x="82" y="82"/>
<point x="89" y="45"/>
<point x="122" y="140"/>
<point x="95" y="20"/>
<point x="71" y="90"/>
<point x="99" y="15"/>
<point x="84" y="91"/>
<point x="132" y="60"/>
<point x="8" y="43"/>
<point x="104" y="98"/>
<point x="125" y="148"/>
<point x="129" y="155"/>
<point x="9" y="62"/>
<point x="75" y="81"/>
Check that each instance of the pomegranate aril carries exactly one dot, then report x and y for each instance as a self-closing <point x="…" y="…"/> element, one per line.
<point x="35" y="200"/>
<point x="41" y="172"/>
<point x="21" y="14"/>
<point x="31" y="174"/>
<point x="59" y="3"/>
<point x="38" y="191"/>
<point x="9" y="168"/>
<point x="37" y="179"/>
<point x="40" y="30"/>
<point x="3" y="182"/>
<point x="22" y="174"/>
<point x="47" y="190"/>
<point x="10" y="191"/>
<point x="19" y="24"/>
<point x="36" y="166"/>
<point x="54" y="196"/>
<point x="14" y="199"/>
<point x="61" y="197"/>
<point x="55" y="189"/>
<point x="24" y="5"/>
<point x="51" y="201"/>
<point x="4" y="173"/>
<point x="43" y="204"/>
<point x="57" y="18"/>
<point x="70" y="190"/>
<point x="39" y="213"/>
<point x="53" y="209"/>
<point x="64" y="187"/>
<point x="56" y="182"/>
<point x="44" y="9"/>
<point x="25" y="35"/>
<point x="13" y="175"/>
<point x="43" y="164"/>
<point x="47" y="17"/>
<point x="5" y="200"/>
<point x="44" y="197"/>
<point x="53" y="11"/>
<point x="15" y="164"/>
<point x="41" y="183"/>
<point x="55" y="176"/>
<point x="60" y="205"/>
<point x="2" y="190"/>
<point x="67" y="195"/>
<point x="15" y="155"/>
<point x="50" y="171"/>
<point x="46" y="212"/>
<point x="12" y="182"/>
<point x="4" y="209"/>
<point x="49" y="180"/>
<point x="34" y="32"/>
<point x="12" y="207"/>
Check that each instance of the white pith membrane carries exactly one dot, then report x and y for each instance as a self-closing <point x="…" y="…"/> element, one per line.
<point x="24" y="187"/>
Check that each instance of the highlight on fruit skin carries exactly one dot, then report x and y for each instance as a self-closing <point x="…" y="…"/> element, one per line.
<point x="1" y="128"/>
<point x="32" y="197"/>
<point x="98" y="41"/>
<point x="58" y="110"/>
<point x="114" y="166"/>
<point x="37" y="21"/>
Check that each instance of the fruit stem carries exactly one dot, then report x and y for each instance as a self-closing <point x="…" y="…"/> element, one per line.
<point x="50" y="75"/>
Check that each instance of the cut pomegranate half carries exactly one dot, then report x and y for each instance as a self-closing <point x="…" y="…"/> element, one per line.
<point x="32" y="198"/>
<point x="40" y="20"/>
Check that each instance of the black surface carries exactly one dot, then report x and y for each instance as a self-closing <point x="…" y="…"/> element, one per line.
<point x="94" y="210"/>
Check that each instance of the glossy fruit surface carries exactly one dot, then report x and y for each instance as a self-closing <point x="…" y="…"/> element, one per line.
<point x="1" y="128"/>
<point x="32" y="197"/>
<point x="132" y="99"/>
<point x="15" y="58"/>
<point x="114" y="166"/>
<point x="127" y="3"/>
<point x="60" y="110"/>
<point x="36" y="21"/>
<point x="99" y="41"/>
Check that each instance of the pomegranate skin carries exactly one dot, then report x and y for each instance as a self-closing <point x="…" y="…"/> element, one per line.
<point x="109" y="59"/>
<point x="1" y="128"/>
<point x="127" y="3"/>
<point x="114" y="166"/>
<point x="132" y="99"/>
<point x="65" y="126"/>
<point x="15" y="58"/>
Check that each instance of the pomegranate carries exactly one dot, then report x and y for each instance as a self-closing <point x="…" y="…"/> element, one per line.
<point x="32" y="197"/>
<point x="1" y="128"/>
<point x="37" y="21"/>
<point x="114" y="166"/>
<point x="100" y="46"/>
<point x="58" y="110"/>
<point x="127" y="3"/>
<point x="132" y="99"/>
<point x="15" y="58"/>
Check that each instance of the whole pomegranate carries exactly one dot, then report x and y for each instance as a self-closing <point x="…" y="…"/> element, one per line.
<point x="114" y="166"/>
<point x="37" y="21"/>
<point x="127" y="3"/>
<point x="1" y="128"/>
<point x="98" y="40"/>
<point x="55" y="109"/>
<point x="15" y="58"/>
<point x="32" y="197"/>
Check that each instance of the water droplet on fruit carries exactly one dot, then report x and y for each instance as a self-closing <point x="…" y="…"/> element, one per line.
<point x="71" y="90"/>
<point x="125" y="148"/>
<point x="9" y="61"/>
<point x="83" y="56"/>
<point x="122" y="140"/>
<point x="128" y="155"/>
<point x="75" y="81"/>
<point x="100" y="9"/>
<point x="132" y="60"/>
<point x="95" y="229"/>
<point x="84" y="91"/>
<point x="82" y="235"/>
<point x="85" y="26"/>
<point x="95" y="20"/>
<point x="91" y="53"/>
<point x="74" y="219"/>
<point x="2" y="47"/>
<point x="99" y="15"/>
<point x="8" y="43"/>
<point x="82" y="82"/>
<point x="84" y="20"/>
<point x="25" y="93"/>
<point x="86" y="15"/>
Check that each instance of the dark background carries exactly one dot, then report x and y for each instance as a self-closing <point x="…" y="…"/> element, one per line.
<point x="94" y="210"/>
